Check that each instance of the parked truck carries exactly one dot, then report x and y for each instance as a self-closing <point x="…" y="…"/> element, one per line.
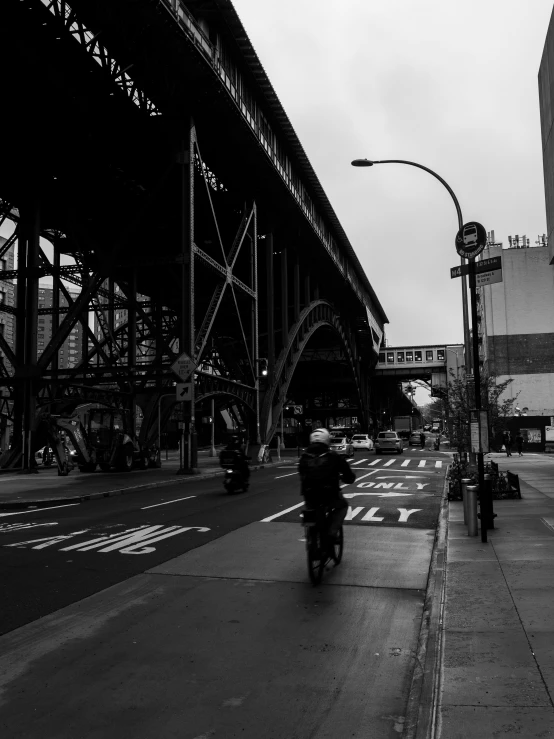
<point x="107" y="441"/>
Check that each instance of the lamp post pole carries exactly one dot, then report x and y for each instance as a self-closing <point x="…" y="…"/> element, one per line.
<point x="465" y="312"/>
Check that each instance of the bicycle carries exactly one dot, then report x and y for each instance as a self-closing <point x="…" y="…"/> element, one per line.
<point x="319" y="547"/>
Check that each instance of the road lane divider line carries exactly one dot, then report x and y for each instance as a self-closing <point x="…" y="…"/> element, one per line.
<point x="38" y="510"/>
<point x="287" y="475"/>
<point x="167" y="502"/>
<point x="282" y="513"/>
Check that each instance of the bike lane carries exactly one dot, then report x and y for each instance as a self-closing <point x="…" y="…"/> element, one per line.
<point x="230" y="638"/>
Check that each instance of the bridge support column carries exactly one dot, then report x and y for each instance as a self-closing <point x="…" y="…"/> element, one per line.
<point x="307" y="291"/>
<point x="270" y="296"/>
<point x="187" y="341"/>
<point x="284" y="298"/>
<point x="296" y="287"/>
<point x="132" y="346"/>
<point x="26" y="333"/>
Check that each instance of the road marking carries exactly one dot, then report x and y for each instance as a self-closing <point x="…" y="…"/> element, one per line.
<point x="406" y="462"/>
<point x="167" y="502"/>
<point x="438" y="464"/>
<point x="396" y="477"/>
<point x="287" y="475"/>
<point x="370" y="515"/>
<point x="359" y="461"/>
<point x="38" y="510"/>
<point x="282" y="513"/>
<point x="422" y="463"/>
<point x="137" y="540"/>
<point x="8" y="527"/>
<point x="388" y="464"/>
<point x="375" y="461"/>
<point x="405" y="513"/>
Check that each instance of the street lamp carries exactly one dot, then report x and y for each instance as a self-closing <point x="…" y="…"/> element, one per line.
<point x="465" y="314"/>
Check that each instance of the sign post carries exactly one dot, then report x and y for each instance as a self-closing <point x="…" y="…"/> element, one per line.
<point x="184" y="368"/>
<point x="470" y="241"/>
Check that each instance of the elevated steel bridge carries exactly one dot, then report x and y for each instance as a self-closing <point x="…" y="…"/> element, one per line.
<point x="147" y="160"/>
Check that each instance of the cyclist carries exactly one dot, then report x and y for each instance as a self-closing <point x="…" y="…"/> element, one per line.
<point x="321" y="470"/>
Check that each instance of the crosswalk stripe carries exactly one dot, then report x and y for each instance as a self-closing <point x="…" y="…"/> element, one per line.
<point x="406" y="462"/>
<point x="359" y="461"/>
<point x="422" y="463"/>
<point x="388" y="464"/>
<point x="375" y="461"/>
<point x="439" y="463"/>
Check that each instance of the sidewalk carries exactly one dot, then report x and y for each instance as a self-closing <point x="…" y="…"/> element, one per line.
<point x="46" y="488"/>
<point x="497" y="632"/>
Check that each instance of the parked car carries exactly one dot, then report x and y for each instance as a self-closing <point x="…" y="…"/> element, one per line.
<point x="341" y="445"/>
<point x="388" y="441"/>
<point x="362" y="441"/>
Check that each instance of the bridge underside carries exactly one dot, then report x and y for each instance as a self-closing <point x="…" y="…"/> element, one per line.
<point x="164" y="212"/>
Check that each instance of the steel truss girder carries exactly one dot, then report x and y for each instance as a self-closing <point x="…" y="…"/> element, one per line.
<point x="63" y="12"/>
<point x="318" y="314"/>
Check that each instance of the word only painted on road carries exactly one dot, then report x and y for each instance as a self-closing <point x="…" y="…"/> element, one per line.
<point x="371" y="515"/>
<point x="138" y="540"/>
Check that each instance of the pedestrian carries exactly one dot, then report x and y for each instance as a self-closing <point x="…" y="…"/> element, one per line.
<point x="519" y="443"/>
<point x="507" y="441"/>
<point x="422" y="440"/>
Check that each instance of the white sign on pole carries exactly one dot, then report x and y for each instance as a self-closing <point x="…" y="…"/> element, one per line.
<point x="183" y="390"/>
<point x="488" y="278"/>
<point x="183" y="366"/>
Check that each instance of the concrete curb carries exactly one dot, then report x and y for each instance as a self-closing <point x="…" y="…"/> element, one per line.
<point x="56" y="502"/>
<point x="421" y="712"/>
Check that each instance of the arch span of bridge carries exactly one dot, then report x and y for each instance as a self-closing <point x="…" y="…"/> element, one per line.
<point x="168" y="188"/>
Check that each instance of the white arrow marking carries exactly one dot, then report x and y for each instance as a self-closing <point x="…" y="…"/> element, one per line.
<point x="379" y="495"/>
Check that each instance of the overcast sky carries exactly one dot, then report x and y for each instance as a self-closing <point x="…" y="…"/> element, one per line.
<point x="450" y="84"/>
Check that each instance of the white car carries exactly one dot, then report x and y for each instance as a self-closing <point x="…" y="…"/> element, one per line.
<point x="362" y="441"/>
<point x="340" y="445"/>
<point x="388" y="441"/>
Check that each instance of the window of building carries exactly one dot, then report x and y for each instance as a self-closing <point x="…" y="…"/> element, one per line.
<point x="429" y="355"/>
<point x="418" y="356"/>
<point x="390" y="357"/>
<point x="41" y="320"/>
<point x="382" y="357"/>
<point x="440" y="355"/>
<point x="409" y="356"/>
<point x="400" y="357"/>
<point x="2" y="297"/>
<point x="3" y="264"/>
<point x="2" y="327"/>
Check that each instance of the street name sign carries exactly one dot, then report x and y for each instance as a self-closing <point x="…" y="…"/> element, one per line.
<point x="471" y="239"/>
<point x="183" y="366"/>
<point x="491" y="267"/>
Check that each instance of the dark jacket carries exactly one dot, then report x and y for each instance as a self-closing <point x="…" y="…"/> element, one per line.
<point x="337" y="469"/>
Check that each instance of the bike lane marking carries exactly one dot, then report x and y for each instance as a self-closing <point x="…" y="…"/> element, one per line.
<point x="167" y="502"/>
<point x="289" y="474"/>
<point x="38" y="510"/>
<point x="281" y="513"/>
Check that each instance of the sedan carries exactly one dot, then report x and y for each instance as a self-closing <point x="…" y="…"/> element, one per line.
<point x="362" y="441"/>
<point x="388" y="441"/>
<point x="415" y="438"/>
<point x="342" y="446"/>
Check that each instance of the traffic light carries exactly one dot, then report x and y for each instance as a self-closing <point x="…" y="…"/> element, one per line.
<point x="263" y="367"/>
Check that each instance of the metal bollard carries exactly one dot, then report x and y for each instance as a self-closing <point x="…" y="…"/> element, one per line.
<point x="472" y="510"/>
<point x="486" y="503"/>
<point x="464" y="483"/>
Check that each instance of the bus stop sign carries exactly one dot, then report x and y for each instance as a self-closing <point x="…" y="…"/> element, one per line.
<point x="471" y="239"/>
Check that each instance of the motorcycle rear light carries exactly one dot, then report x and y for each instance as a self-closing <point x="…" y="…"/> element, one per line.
<point x="229" y="472"/>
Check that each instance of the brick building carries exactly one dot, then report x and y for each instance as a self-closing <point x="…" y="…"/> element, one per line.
<point x="517" y="326"/>
<point x="71" y="351"/>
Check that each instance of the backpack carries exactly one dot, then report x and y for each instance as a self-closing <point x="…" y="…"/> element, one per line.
<point x="318" y="472"/>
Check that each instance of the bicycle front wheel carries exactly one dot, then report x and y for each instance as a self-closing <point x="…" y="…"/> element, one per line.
<point x="316" y="555"/>
<point x="338" y="546"/>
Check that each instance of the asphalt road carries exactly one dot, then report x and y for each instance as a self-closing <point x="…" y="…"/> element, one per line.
<point x="203" y="622"/>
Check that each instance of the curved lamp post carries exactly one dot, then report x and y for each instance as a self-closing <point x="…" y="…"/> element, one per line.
<point x="370" y="163"/>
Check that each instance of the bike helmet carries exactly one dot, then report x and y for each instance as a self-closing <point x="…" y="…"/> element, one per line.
<point x="320" y="436"/>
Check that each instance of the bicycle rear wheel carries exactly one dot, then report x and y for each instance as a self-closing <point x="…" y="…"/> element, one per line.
<point x="316" y="554"/>
<point x="337" y="547"/>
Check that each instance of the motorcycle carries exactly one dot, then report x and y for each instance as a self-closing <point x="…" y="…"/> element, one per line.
<point x="234" y="481"/>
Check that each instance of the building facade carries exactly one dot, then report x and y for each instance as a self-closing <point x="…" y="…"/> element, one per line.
<point x="546" y="103"/>
<point x="517" y="326"/>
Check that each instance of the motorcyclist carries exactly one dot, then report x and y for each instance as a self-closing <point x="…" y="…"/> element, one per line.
<point x="233" y="455"/>
<point x="321" y="470"/>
